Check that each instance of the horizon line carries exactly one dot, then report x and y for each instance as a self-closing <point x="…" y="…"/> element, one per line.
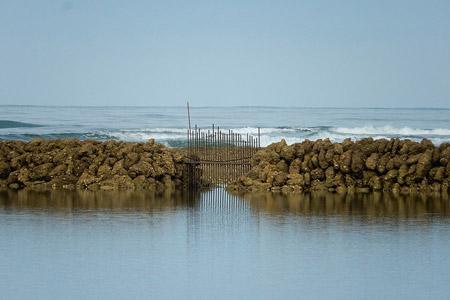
<point x="226" y="106"/>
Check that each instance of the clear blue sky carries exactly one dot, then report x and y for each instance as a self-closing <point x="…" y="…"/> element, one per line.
<point x="302" y="53"/>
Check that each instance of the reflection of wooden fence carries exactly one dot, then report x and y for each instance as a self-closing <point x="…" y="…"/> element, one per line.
<point x="218" y="157"/>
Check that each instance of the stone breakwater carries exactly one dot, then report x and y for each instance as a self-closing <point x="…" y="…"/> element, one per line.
<point x="72" y="164"/>
<point x="368" y="165"/>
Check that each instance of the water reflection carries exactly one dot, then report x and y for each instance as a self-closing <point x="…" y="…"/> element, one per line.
<point x="219" y="202"/>
<point x="328" y="204"/>
<point x="217" y="245"/>
<point x="60" y="200"/>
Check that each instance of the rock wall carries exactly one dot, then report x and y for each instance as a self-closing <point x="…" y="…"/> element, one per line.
<point x="72" y="164"/>
<point x="367" y="165"/>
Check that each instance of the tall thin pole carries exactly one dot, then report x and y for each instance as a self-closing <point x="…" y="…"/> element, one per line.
<point x="259" y="137"/>
<point x="189" y="115"/>
<point x="189" y="142"/>
<point x="196" y="141"/>
<point x="189" y="131"/>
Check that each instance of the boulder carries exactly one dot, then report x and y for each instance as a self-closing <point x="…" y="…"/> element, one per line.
<point x="341" y="189"/>
<point x="424" y="164"/>
<point x="295" y="166"/>
<point x="306" y="163"/>
<point x="318" y="186"/>
<point x="372" y="161"/>
<point x="4" y="169"/>
<point x="23" y="175"/>
<point x="357" y="162"/>
<point x="277" y="147"/>
<point x="382" y="162"/>
<point x="307" y="178"/>
<point x="13" y="177"/>
<point x="345" y="161"/>
<point x="329" y="177"/>
<point x="375" y="183"/>
<point x="41" y="172"/>
<point x="86" y="179"/>
<point x="118" y="168"/>
<point x="299" y="151"/>
<point x="280" y="179"/>
<point x="413" y="159"/>
<point x="117" y="182"/>
<point x="338" y="149"/>
<point x="58" y="170"/>
<point x="282" y="166"/>
<point x="295" y="179"/>
<point x="329" y="173"/>
<point x="87" y="149"/>
<point x="323" y="160"/>
<point x="104" y="171"/>
<point x="63" y="182"/>
<point x="438" y="174"/>
<point x="142" y="168"/>
<point x="266" y="155"/>
<point x="317" y="174"/>
<point x="339" y="180"/>
<point x="391" y="175"/>
<point x="287" y="153"/>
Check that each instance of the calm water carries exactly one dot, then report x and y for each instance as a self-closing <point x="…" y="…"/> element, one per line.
<point x="168" y="124"/>
<point x="213" y="245"/>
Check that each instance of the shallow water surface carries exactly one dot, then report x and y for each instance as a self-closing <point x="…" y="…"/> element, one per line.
<point x="74" y="245"/>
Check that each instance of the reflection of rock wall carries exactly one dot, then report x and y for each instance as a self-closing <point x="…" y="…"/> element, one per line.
<point x="74" y="200"/>
<point x="377" y="204"/>
<point x="397" y="165"/>
<point x="89" y="165"/>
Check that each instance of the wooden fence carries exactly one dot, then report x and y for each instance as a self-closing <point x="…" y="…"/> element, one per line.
<point x="217" y="156"/>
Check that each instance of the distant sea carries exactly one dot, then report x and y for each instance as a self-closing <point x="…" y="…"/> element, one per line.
<point x="168" y="124"/>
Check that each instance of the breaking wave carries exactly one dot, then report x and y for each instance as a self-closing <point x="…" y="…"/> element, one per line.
<point x="388" y="130"/>
<point x="176" y="137"/>
<point x="171" y="136"/>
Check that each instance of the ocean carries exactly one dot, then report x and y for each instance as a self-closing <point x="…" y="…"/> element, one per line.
<point x="168" y="125"/>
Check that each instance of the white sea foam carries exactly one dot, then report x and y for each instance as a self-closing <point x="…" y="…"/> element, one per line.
<point x="267" y="140"/>
<point x="240" y="130"/>
<point x="159" y="130"/>
<point x="254" y="130"/>
<point x="180" y="133"/>
<point x="388" y="130"/>
<point x="291" y="135"/>
<point x="144" y="136"/>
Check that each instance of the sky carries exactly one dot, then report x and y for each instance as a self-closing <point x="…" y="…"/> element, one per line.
<point x="217" y="53"/>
